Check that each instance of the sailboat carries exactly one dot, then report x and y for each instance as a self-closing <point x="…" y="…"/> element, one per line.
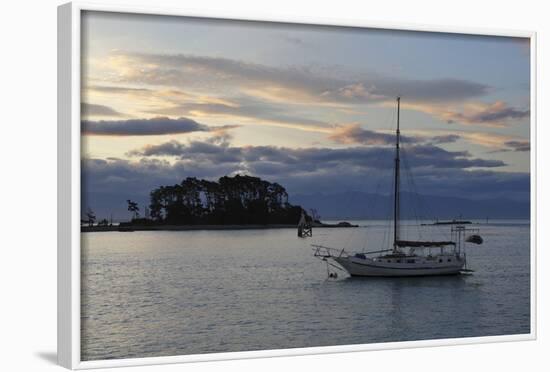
<point x="405" y="257"/>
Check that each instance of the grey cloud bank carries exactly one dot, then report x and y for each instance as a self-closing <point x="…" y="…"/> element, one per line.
<point x="108" y="183"/>
<point x="367" y="169"/>
<point x="141" y="127"/>
<point x="199" y="154"/>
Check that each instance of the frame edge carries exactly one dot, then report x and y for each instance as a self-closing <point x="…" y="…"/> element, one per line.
<point x="64" y="253"/>
<point x="68" y="285"/>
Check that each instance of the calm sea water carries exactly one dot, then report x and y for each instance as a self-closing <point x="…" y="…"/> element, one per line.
<point x="188" y="292"/>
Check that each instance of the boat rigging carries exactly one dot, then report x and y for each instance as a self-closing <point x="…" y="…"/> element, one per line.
<point x="405" y="257"/>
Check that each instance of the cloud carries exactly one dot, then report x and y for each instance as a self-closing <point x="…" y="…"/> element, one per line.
<point x="169" y="95"/>
<point x="107" y="183"/>
<point x="294" y="85"/>
<point x="497" y="114"/>
<point x="287" y="160"/>
<point x="354" y="134"/>
<point x="222" y="135"/>
<point x="89" y="110"/>
<point x="141" y="127"/>
<point x="433" y="91"/>
<point x="170" y="148"/>
<point x="435" y="157"/>
<point x="301" y="170"/>
<point x="116" y="89"/>
<point x="176" y="103"/>
<point x="247" y="109"/>
<point x="496" y="142"/>
<point x="275" y="94"/>
<point x="134" y="177"/>
<point x="447" y="138"/>
<point x="520" y="146"/>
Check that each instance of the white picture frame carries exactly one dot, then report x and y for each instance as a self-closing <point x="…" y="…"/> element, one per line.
<point x="69" y="157"/>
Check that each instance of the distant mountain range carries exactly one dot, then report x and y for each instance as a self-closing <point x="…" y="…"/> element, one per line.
<point x="351" y="205"/>
<point x="357" y="205"/>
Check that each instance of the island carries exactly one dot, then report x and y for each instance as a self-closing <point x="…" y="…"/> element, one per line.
<point x="238" y="202"/>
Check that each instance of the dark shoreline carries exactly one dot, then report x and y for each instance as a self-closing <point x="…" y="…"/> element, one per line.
<point x="127" y="228"/>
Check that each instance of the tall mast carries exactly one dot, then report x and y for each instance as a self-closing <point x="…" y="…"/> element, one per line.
<point x="396" y="184"/>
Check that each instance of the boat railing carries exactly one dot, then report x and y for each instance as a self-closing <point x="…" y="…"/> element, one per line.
<point x="324" y="252"/>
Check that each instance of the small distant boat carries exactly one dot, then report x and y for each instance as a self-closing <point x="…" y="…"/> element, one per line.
<point x="304" y="227"/>
<point x="452" y="222"/>
<point x="405" y="257"/>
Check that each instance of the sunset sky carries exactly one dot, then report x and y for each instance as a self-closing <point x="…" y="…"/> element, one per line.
<point x="310" y="107"/>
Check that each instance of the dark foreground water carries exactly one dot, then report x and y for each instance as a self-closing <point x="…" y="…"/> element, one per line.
<point x="173" y="293"/>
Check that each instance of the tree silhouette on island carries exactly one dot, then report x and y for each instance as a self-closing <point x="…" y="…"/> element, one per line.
<point x="238" y="200"/>
<point x="133" y="207"/>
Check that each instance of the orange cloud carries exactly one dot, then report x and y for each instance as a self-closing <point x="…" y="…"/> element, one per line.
<point x="497" y="114"/>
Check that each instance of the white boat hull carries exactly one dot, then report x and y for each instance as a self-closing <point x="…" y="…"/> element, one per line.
<point x="372" y="267"/>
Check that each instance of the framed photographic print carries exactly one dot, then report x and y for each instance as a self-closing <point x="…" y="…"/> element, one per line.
<point x="244" y="186"/>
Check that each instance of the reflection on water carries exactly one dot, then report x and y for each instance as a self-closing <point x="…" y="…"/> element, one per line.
<point x="173" y="293"/>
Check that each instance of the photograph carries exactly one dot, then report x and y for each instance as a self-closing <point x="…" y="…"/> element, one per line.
<point x="258" y="185"/>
